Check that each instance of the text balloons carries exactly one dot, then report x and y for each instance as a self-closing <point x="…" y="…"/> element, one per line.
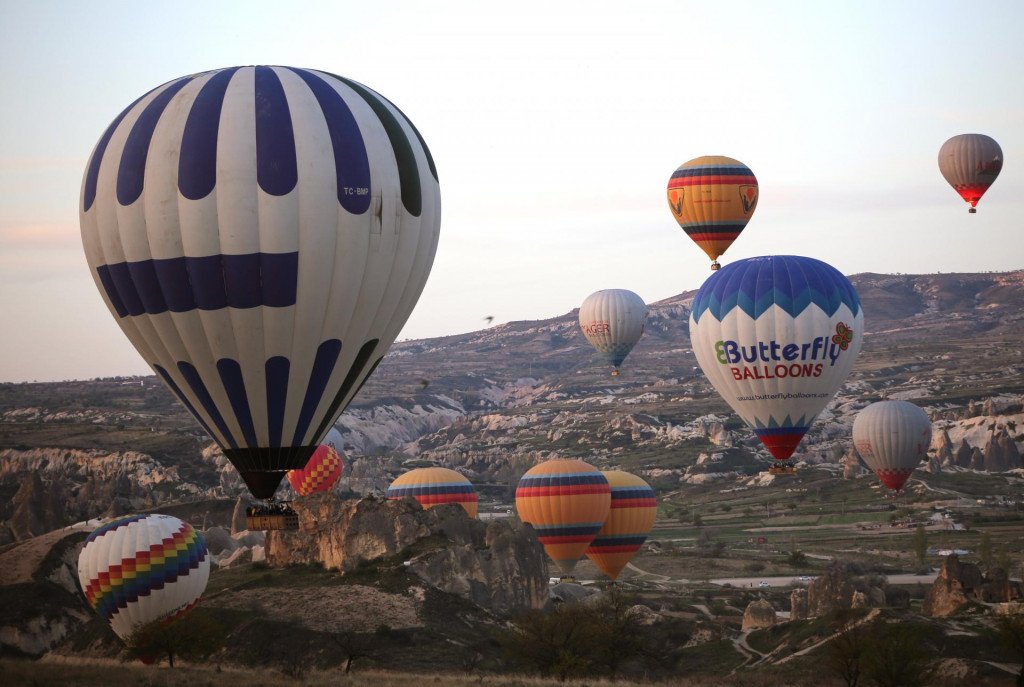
<point x="612" y="321"/>
<point x="434" y="486"/>
<point x="630" y="519"/>
<point x="970" y="163"/>
<point x="776" y="337"/>
<point x="261" y="234"/>
<point x="712" y="198"/>
<point x="142" y="568"/>
<point x="567" y="502"/>
<point x="893" y="438"/>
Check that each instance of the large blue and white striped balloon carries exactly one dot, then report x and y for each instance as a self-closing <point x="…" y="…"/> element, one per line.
<point x="777" y="336"/>
<point x="261" y="235"/>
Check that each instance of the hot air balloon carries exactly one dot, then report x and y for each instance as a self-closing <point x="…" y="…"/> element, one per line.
<point x="970" y="163"/>
<point x="567" y="502"/>
<point x="613" y="320"/>
<point x="320" y="474"/>
<point x="893" y="438"/>
<point x="434" y="486"/>
<point x="630" y="519"/>
<point x="776" y="337"/>
<point x="140" y="569"/>
<point x="261" y="234"/>
<point x="713" y="197"/>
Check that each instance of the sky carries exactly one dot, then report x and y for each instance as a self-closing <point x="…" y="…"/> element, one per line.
<point x="555" y="127"/>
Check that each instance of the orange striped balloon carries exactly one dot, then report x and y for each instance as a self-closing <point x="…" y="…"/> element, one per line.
<point x="434" y="486"/>
<point x="320" y="474"/>
<point x="629" y="521"/>
<point x="712" y="198"/>
<point x="567" y="502"/>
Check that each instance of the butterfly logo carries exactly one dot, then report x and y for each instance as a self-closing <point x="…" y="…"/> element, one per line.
<point x="843" y="336"/>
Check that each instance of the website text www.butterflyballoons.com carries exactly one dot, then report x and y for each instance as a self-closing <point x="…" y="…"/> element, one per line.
<point x="780" y="396"/>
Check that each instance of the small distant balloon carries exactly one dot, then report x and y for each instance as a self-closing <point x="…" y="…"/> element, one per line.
<point x="489" y="318"/>
<point x="893" y="438"/>
<point x="630" y="519"/>
<point x="970" y="163"/>
<point x="567" y="502"/>
<point x="435" y="486"/>
<point x="613" y="321"/>
<point x="320" y="474"/>
<point x="712" y="198"/>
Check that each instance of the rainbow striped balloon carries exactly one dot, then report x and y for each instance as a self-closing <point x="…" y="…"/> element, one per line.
<point x="629" y="521"/>
<point x="434" y="486"/>
<point x="142" y="568"/>
<point x="567" y="502"/>
<point x="320" y="474"/>
<point x="712" y="198"/>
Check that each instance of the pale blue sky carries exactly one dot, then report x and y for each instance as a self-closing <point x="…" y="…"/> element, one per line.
<point x="555" y="127"/>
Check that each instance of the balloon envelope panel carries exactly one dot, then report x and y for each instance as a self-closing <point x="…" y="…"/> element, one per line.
<point x="712" y="198"/>
<point x="320" y="474"/>
<point x="630" y="518"/>
<point x="777" y="336"/>
<point x="970" y="164"/>
<point x="567" y="502"/>
<point x="612" y="321"/>
<point x="261" y="234"/>
<point x="142" y="568"/>
<point x="434" y="486"/>
<point x="893" y="438"/>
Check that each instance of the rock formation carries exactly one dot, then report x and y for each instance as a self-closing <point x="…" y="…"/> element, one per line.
<point x="956" y="584"/>
<point x="499" y="565"/>
<point x="829" y="591"/>
<point x="944" y="449"/>
<point x="999" y="588"/>
<point x="1001" y="453"/>
<point x="798" y="604"/>
<point x="977" y="459"/>
<point x="758" y="614"/>
<point x="36" y="509"/>
<point x="963" y="454"/>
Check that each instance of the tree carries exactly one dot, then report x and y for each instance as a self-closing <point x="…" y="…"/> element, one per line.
<point x="844" y="654"/>
<point x="897" y="656"/>
<point x="985" y="551"/>
<point x="921" y="544"/>
<point x="195" y="635"/>
<point x="354" y="645"/>
<point x="558" y="643"/>
<point x="1010" y="633"/>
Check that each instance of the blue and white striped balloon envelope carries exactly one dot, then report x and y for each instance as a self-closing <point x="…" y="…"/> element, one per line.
<point x="777" y="336"/>
<point x="261" y="235"/>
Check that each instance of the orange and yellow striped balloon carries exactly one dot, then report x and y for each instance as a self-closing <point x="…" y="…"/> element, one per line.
<point x="629" y="521"/>
<point x="320" y="474"/>
<point x="712" y="198"/>
<point x="434" y="486"/>
<point x="567" y="502"/>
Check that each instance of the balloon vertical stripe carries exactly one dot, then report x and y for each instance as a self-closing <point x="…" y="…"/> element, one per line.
<point x="412" y="197"/>
<point x="131" y="173"/>
<point x="195" y="381"/>
<point x="197" y="166"/>
<point x="323" y="366"/>
<point x="353" y="169"/>
<point x="276" y="166"/>
<point x="231" y="376"/>
<point x="350" y="379"/>
<point x="276" y="370"/>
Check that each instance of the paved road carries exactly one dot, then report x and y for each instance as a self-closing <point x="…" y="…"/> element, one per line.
<point x="790" y="580"/>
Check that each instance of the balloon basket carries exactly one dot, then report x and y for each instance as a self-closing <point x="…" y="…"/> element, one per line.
<point x="715" y="266"/>
<point x="972" y="210"/>
<point x="781" y="470"/>
<point x="273" y="516"/>
<point x="571" y="579"/>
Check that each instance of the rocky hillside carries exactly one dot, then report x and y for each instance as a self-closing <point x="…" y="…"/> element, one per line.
<point x="493" y="402"/>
